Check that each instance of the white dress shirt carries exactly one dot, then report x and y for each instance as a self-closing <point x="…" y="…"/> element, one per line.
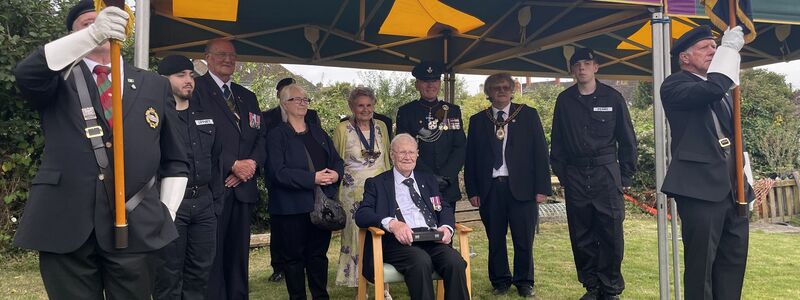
<point x="503" y="170"/>
<point x="220" y="83"/>
<point x="413" y="217"/>
<point x="91" y="64"/>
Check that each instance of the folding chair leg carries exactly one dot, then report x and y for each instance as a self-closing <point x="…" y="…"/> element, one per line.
<point x="440" y="290"/>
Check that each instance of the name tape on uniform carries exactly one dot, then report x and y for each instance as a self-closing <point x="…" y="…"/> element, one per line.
<point x="204" y="122"/>
<point x="604" y="108"/>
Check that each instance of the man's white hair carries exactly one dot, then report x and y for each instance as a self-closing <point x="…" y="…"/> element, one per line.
<point x="404" y="136"/>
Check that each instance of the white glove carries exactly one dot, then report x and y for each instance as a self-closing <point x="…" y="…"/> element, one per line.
<point x="726" y="61"/>
<point x="172" y="189"/>
<point x="110" y="23"/>
<point x="733" y="38"/>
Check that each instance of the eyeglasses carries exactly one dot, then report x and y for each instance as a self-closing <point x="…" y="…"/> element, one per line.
<point x="500" y="88"/>
<point x="405" y="153"/>
<point x="300" y="100"/>
<point x="223" y="55"/>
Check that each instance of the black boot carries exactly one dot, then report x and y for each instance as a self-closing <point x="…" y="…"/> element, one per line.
<point x="592" y="294"/>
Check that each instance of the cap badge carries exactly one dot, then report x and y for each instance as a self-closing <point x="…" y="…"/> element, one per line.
<point x="430" y="70"/>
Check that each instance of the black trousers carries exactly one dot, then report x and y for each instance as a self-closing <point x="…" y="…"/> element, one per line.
<point x="91" y="273"/>
<point x="595" y="212"/>
<point x="418" y="262"/>
<point x="304" y="248"/>
<point x="188" y="259"/>
<point x="229" y="273"/>
<point x="275" y="258"/>
<point x="499" y="212"/>
<point x="715" y="241"/>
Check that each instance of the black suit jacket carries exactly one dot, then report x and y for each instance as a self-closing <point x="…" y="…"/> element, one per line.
<point x="291" y="182"/>
<point x="379" y="203"/>
<point x="526" y="155"/>
<point x="698" y="168"/>
<point x="67" y="202"/>
<point x="379" y="200"/>
<point x="247" y="143"/>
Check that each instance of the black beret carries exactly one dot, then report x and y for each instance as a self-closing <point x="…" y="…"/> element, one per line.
<point x="690" y="38"/>
<point x="284" y="82"/>
<point x="174" y="64"/>
<point x="428" y="71"/>
<point x="581" y="54"/>
<point x="76" y="11"/>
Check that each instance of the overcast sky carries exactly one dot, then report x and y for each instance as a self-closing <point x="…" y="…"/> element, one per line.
<point x="328" y="75"/>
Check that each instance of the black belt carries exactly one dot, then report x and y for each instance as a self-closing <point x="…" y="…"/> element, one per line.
<point x="195" y="191"/>
<point x="500" y="178"/>
<point x="587" y="162"/>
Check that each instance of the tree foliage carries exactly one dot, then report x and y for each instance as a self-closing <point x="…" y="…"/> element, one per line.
<point x="24" y="25"/>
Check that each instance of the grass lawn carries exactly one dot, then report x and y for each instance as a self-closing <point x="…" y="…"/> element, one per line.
<point x="773" y="270"/>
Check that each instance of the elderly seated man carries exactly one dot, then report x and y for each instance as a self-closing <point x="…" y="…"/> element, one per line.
<point x="404" y="201"/>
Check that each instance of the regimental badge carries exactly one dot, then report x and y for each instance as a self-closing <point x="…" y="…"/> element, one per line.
<point x="437" y="203"/>
<point x="429" y="70"/>
<point x="151" y="116"/>
<point x="255" y="120"/>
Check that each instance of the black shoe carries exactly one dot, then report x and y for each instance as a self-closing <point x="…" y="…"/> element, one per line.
<point x="611" y="297"/>
<point x="591" y="294"/>
<point x="526" y="291"/>
<point x="500" y="291"/>
<point x="276" y="276"/>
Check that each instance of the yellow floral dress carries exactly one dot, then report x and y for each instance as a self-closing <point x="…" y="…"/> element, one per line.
<point x="356" y="170"/>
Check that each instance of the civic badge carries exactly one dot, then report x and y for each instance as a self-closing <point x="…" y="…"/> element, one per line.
<point x="151" y="116"/>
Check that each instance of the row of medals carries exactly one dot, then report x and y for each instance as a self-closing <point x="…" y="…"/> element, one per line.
<point x="433" y="123"/>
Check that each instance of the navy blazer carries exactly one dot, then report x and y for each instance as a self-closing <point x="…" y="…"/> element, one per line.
<point x="379" y="200"/>
<point x="238" y="143"/>
<point x="67" y="202"/>
<point x="291" y="183"/>
<point x="526" y="155"/>
<point x="698" y="168"/>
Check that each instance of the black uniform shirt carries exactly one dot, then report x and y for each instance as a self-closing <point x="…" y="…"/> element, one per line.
<point x="200" y="146"/>
<point x="590" y="126"/>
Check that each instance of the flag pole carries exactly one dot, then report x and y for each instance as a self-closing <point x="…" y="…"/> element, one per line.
<point x="737" y="128"/>
<point x="120" y="217"/>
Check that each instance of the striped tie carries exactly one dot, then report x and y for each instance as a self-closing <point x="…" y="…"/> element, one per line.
<point x="104" y="89"/>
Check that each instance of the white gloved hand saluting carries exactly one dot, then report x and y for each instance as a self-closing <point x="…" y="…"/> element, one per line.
<point x="727" y="60"/>
<point x="733" y="38"/>
<point x="109" y="23"/>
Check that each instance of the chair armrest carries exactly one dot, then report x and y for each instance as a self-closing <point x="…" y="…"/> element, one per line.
<point x="376" y="231"/>
<point x="463" y="229"/>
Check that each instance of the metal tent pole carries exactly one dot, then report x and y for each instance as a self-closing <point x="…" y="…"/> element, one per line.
<point x="674" y="230"/>
<point x="657" y="23"/>
<point x="141" y="47"/>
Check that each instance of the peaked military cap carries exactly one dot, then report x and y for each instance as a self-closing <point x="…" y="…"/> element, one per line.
<point x="428" y="71"/>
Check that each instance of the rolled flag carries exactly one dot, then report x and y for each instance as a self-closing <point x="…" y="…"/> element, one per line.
<point x="719" y="13"/>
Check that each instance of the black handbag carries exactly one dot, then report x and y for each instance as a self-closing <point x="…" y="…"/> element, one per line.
<point x="328" y="214"/>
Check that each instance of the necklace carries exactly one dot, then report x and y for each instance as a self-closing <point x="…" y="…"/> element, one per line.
<point x="368" y="147"/>
<point x="500" y="133"/>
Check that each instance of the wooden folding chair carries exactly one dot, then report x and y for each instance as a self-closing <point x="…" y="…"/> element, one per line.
<point x="386" y="273"/>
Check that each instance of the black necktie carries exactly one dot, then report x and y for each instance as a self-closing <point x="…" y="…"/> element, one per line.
<point x="417" y="199"/>
<point x="226" y="93"/>
<point x="497" y="144"/>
